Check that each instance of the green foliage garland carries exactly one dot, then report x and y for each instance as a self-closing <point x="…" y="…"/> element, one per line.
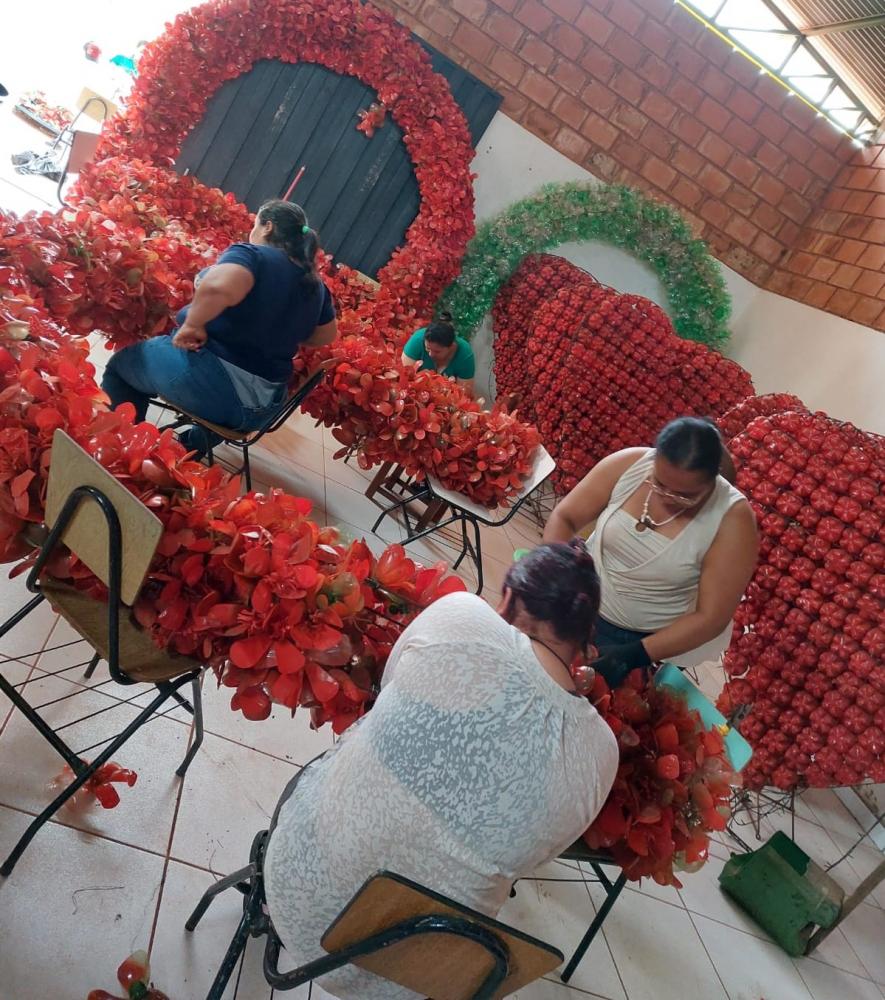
<point x="699" y="305"/>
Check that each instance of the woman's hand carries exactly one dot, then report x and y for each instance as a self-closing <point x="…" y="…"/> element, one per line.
<point x="190" y="338"/>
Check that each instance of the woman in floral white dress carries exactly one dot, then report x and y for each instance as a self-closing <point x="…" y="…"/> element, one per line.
<point x="478" y="762"/>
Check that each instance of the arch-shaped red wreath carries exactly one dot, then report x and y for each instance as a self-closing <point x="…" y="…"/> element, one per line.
<point x="218" y="41"/>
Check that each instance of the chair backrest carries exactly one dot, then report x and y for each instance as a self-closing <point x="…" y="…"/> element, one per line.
<point x="87" y="533"/>
<point x="543" y="465"/>
<point x="443" y="967"/>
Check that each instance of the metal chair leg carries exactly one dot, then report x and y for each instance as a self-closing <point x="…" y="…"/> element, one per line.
<point x="478" y="555"/>
<point x="224" y="883"/>
<point x="77" y="783"/>
<point x="231" y="957"/>
<point x="397" y="506"/>
<point x="465" y="545"/>
<point x="247" y="470"/>
<point x="198" y="728"/>
<point x="93" y="663"/>
<point x="610" y="899"/>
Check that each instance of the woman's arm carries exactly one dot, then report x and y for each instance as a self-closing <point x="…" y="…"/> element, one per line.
<point x="726" y="571"/>
<point x="222" y="286"/>
<point x="590" y="497"/>
<point x="467" y="385"/>
<point x="326" y="333"/>
<point x="727" y="468"/>
<point x="412" y="362"/>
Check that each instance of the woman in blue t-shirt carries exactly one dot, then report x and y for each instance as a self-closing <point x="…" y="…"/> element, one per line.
<point x="230" y="359"/>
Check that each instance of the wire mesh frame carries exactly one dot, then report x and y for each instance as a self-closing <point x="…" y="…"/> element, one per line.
<point x="83" y="770"/>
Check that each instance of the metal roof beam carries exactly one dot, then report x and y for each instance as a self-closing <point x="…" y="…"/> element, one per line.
<point x="854" y="24"/>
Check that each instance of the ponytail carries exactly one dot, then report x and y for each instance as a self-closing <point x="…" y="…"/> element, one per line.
<point x="291" y="233"/>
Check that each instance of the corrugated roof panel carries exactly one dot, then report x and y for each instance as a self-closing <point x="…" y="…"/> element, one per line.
<point x="857" y="55"/>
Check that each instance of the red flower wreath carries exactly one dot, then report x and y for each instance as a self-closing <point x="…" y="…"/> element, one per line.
<point x="209" y="45"/>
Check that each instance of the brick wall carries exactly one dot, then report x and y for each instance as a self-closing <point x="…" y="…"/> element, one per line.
<point x="638" y="92"/>
<point x="839" y="258"/>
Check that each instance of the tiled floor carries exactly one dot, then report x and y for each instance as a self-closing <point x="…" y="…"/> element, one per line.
<point x="94" y="886"/>
<point x="99" y="884"/>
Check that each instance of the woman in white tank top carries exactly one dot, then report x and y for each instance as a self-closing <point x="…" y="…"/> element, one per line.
<point x="675" y="545"/>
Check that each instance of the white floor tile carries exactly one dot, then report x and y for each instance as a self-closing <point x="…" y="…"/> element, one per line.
<point x="837" y="951"/>
<point x="352" y="507"/>
<point x="184" y="964"/>
<point x="552" y="989"/>
<point x="827" y="983"/>
<point x="748" y="967"/>
<point x="657" y="950"/>
<point x="348" y="474"/>
<point x="282" y="735"/>
<point x="231" y="795"/>
<point x="701" y="894"/>
<point x="560" y="913"/>
<point x="28" y="764"/>
<point x="27" y="638"/>
<point x="828" y="810"/>
<point x="295" y="479"/>
<point x="15" y="673"/>
<point x="66" y="656"/>
<point x="74" y="907"/>
<point x="864" y="929"/>
<point x="665" y="893"/>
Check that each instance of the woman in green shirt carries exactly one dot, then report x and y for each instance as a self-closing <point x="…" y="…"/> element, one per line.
<point x="437" y="348"/>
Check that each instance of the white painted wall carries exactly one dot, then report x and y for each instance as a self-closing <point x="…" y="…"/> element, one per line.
<point x="831" y="363"/>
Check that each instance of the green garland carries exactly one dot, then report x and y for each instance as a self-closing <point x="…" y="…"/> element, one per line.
<point x="699" y="304"/>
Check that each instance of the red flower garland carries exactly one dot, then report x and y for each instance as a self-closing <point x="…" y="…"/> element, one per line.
<point x="672" y="787"/>
<point x="203" y="48"/>
<point x="426" y="423"/>
<point x="249" y="585"/>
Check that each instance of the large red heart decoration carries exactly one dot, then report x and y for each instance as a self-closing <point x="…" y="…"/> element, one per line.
<point x="598" y="369"/>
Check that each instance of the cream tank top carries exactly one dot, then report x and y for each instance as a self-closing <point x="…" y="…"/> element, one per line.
<point x="647" y="580"/>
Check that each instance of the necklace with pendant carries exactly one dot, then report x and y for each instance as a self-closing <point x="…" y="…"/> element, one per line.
<point x="645" y="520"/>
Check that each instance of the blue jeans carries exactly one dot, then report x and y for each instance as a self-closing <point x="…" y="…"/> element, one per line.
<point x="195" y="381"/>
<point x="607" y="634"/>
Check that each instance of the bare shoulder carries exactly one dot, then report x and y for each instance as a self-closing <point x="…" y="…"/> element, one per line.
<point x="739" y="523"/>
<point x="619" y="461"/>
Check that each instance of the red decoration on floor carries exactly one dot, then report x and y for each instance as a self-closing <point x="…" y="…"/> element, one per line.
<point x="99" y="787"/>
<point x="134" y="975"/>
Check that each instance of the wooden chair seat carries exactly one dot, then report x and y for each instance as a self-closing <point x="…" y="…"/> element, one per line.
<point x="453" y="971"/>
<point x="140" y="659"/>
<point x="223" y="432"/>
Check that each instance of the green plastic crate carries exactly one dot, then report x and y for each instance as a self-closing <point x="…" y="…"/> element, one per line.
<point x="784" y="891"/>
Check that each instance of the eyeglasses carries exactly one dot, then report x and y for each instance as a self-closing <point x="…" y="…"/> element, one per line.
<point x="675" y="497"/>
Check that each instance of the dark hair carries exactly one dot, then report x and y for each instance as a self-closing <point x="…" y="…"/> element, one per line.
<point x="693" y="444"/>
<point x="558" y="584"/>
<point x="441" y="331"/>
<point x="288" y="233"/>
